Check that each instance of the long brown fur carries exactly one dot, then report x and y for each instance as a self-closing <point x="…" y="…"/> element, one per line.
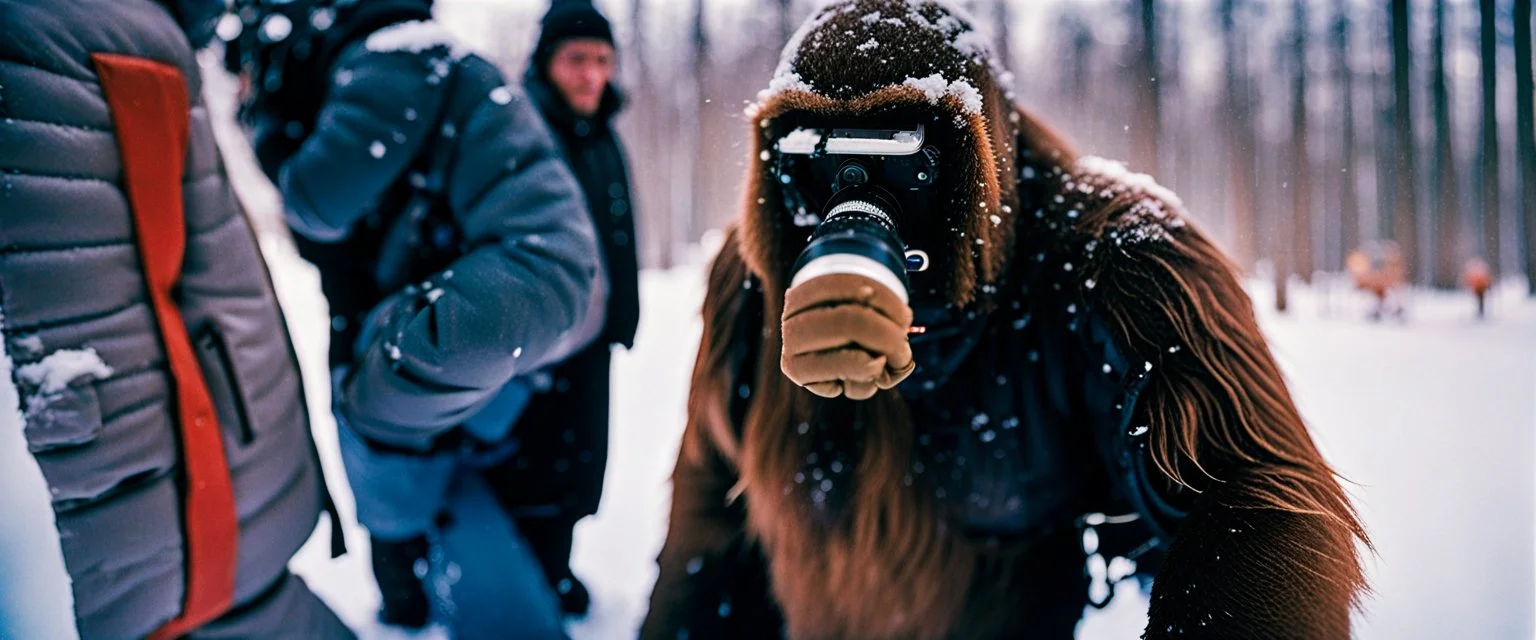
<point x="1219" y="402"/>
<point x="885" y="564"/>
<point x="891" y="547"/>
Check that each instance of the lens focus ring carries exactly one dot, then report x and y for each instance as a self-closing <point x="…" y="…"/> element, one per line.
<point x="867" y="208"/>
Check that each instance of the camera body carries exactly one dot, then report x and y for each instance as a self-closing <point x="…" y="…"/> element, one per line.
<point x="873" y="188"/>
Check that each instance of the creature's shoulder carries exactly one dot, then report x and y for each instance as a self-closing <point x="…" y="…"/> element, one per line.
<point x="1106" y="210"/>
<point x="1128" y="245"/>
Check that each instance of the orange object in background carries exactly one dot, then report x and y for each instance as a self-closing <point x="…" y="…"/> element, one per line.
<point x="1478" y="278"/>
<point x="1377" y="267"/>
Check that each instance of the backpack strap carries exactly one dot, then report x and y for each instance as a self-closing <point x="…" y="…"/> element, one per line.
<point x="150" y="113"/>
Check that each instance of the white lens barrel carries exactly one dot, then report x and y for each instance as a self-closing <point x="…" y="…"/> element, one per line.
<point x="848" y="263"/>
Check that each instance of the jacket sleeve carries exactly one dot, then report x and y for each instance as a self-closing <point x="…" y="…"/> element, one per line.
<point x="1268" y="547"/>
<point x="373" y="124"/>
<point x="504" y="308"/>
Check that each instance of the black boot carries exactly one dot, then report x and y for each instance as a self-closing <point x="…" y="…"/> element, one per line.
<point x="550" y="539"/>
<point x="394" y="568"/>
<point x="574" y="598"/>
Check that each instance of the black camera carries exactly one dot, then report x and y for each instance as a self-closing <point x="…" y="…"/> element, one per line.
<point x="871" y="187"/>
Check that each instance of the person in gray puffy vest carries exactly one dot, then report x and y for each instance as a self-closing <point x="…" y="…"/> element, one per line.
<point x="459" y="262"/>
<point x="159" y="396"/>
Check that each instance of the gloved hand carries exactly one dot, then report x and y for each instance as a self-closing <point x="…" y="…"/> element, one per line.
<point x="845" y="334"/>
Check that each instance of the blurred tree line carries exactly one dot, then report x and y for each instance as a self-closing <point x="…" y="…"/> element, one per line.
<point x="1295" y="130"/>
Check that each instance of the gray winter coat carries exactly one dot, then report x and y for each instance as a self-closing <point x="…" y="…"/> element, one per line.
<point x="521" y="287"/>
<point x="105" y="434"/>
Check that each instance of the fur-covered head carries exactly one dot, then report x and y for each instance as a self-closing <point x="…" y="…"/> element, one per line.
<point x="876" y="62"/>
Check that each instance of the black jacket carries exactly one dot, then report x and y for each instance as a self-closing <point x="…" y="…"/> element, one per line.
<point x="596" y="156"/>
<point x="558" y="472"/>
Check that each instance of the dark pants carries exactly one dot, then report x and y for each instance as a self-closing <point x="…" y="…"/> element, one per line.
<point x="556" y="477"/>
<point x="433" y="521"/>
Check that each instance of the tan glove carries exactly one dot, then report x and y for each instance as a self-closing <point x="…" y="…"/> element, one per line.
<point x="846" y="334"/>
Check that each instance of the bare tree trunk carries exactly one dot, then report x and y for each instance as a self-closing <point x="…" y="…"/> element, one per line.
<point x="1446" y="217"/>
<point x="1344" y="79"/>
<point x="1525" y="134"/>
<point x="1239" y="136"/>
<point x="1175" y="136"/>
<point x="1002" y="18"/>
<point x="1405" y="170"/>
<point x="1144" y="138"/>
<point x="654" y="216"/>
<point x="699" y="171"/>
<point x="1489" y="200"/>
<point x="1080" y="70"/>
<point x="1279" y="166"/>
<point x="786" y="20"/>
<point x="1383" y="134"/>
<point x="1301" y="160"/>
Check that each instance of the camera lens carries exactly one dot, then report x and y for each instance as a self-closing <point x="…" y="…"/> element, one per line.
<point x="858" y="235"/>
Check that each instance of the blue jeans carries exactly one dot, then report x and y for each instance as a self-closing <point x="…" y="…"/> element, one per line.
<point x="482" y="577"/>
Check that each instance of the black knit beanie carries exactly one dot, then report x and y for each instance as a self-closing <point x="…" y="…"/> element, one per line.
<point x="568" y="20"/>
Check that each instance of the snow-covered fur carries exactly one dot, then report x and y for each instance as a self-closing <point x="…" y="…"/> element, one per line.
<point x="856" y="59"/>
<point x="1266" y="523"/>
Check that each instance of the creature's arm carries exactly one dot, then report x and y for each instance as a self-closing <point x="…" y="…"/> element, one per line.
<point x="706" y="528"/>
<point x="1268" y="548"/>
<point x="1254" y="572"/>
<point x="702" y="531"/>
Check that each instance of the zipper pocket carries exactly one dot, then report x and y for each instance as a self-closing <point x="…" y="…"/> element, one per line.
<point x="223" y="384"/>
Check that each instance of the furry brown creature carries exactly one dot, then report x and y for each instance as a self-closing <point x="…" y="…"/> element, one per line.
<point x="1112" y="342"/>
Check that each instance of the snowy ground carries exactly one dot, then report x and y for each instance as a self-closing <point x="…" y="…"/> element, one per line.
<point x="1434" y="421"/>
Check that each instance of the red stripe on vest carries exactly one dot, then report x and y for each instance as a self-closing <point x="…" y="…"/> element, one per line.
<point x="150" y="112"/>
